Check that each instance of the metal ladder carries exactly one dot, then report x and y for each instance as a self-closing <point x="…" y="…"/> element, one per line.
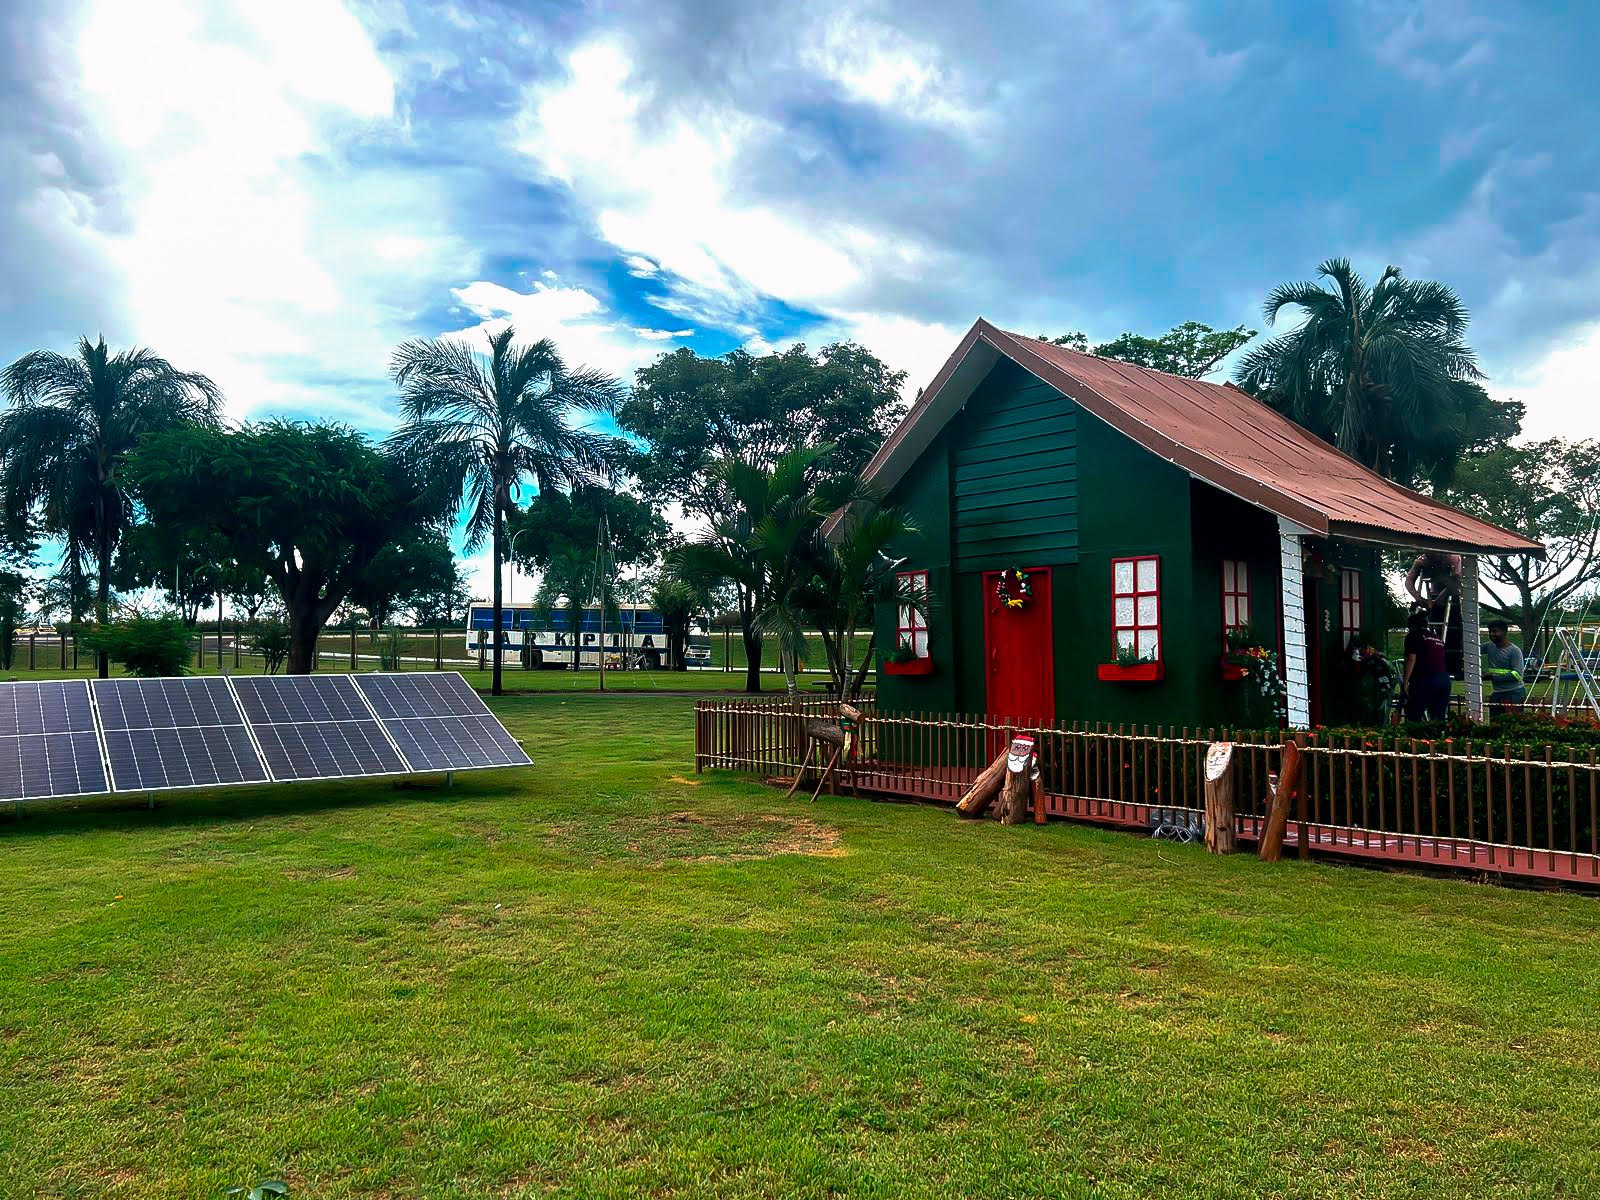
<point x="1572" y="651"/>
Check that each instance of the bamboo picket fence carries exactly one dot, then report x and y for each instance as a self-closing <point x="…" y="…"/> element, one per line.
<point x="1525" y="811"/>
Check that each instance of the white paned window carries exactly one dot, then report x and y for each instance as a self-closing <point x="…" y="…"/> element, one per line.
<point x="1136" y="605"/>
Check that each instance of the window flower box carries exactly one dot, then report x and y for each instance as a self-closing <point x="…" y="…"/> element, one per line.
<point x="912" y="666"/>
<point x="1145" y="672"/>
<point x="1233" y="672"/>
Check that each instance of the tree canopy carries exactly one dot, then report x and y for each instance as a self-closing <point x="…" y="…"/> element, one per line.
<point x="553" y="523"/>
<point x="1191" y="349"/>
<point x="706" y="424"/>
<point x="1550" y="491"/>
<point x="309" y="506"/>
<point x="418" y="567"/>
<point x="487" y="425"/>
<point x="694" y="413"/>
<point x="1383" y="372"/>
<point x="73" y="421"/>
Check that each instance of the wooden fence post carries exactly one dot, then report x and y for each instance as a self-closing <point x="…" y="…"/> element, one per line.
<point x="1271" y="849"/>
<point x="1220" y="832"/>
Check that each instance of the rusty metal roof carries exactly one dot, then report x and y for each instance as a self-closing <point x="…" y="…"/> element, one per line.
<point x="1217" y="433"/>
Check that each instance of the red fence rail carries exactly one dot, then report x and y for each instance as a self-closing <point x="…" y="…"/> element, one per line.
<point x="1526" y="811"/>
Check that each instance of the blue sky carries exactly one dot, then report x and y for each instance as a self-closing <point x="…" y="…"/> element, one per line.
<point x="278" y="193"/>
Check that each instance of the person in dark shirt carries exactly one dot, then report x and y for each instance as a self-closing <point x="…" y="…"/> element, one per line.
<point x="1427" y="682"/>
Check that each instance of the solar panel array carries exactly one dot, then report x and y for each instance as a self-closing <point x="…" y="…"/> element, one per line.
<point x="174" y="733"/>
<point x="72" y="737"/>
<point x="439" y="723"/>
<point x="316" y="727"/>
<point x="48" y="742"/>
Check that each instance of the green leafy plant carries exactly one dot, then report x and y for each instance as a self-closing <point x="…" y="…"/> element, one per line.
<point x="1129" y="656"/>
<point x="903" y="653"/>
<point x="1266" y="696"/>
<point x="269" y="639"/>
<point x="145" y="646"/>
<point x="261" y="1191"/>
<point x="390" y="651"/>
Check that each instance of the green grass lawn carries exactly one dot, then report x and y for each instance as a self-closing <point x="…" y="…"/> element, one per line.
<point x="606" y="977"/>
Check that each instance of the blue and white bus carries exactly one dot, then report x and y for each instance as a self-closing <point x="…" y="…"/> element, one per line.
<point x="633" y="637"/>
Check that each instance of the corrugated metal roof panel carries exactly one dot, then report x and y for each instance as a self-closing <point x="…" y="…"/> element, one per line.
<point x="1223" y="436"/>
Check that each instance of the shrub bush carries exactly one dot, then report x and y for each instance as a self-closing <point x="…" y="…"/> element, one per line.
<point x="270" y="639"/>
<point x="146" y="646"/>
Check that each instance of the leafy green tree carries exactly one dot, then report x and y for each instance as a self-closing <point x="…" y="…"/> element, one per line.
<point x="64" y="442"/>
<point x="1191" y="349"/>
<point x="695" y="413"/>
<point x="269" y="638"/>
<point x="17" y="589"/>
<point x="446" y="605"/>
<point x="554" y="522"/>
<point x="144" y="645"/>
<point x="308" y="506"/>
<point x="189" y="571"/>
<point x="763" y="547"/>
<point x="573" y="579"/>
<point x="678" y="600"/>
<point x="419" y="565"/>
<point x="1549" y="491"/>
<point x="1384" y="373"/>
<point x="851" y="573"/>
<point x="490" y="425"/>
<point x="698" y="416"/>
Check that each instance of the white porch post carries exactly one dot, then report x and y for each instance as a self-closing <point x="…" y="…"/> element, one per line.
<point x="1291" y="587"/>
<point x="1471" y="638"/>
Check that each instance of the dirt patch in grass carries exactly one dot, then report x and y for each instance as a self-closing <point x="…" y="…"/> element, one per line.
<point x="689" y="837"/>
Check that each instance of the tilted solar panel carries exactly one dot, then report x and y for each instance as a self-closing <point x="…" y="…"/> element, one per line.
<point x="174" y="733"/>
<point x="439" y="722"/>
<point x="48" y="743"/>
<point x="316" y="727"/>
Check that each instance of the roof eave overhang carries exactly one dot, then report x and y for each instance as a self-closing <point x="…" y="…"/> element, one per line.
<point x="1510" y="543"/>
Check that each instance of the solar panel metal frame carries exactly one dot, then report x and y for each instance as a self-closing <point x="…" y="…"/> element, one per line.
<point x="94" y="729"/>
<point x="483" y="710"/>
<point x="105" y="749"/>
<point x="372" y="715"/>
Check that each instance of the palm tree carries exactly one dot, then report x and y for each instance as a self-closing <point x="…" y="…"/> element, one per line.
<point x="852" y="573"/>
<point x="71" y="423"/>
<point x="762" y="547"/>
<point x="492" y="424"/>
<point x="1378" y="371"/>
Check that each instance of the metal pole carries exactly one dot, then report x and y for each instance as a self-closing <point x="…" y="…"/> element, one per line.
<point x="352" y="643"/>
<point x="219" y="632"/>
<point x="438" y="648"/>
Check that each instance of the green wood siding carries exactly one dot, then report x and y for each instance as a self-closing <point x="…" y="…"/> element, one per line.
<point x="1014" y="475"/>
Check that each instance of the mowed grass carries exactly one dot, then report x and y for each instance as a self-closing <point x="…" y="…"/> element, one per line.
<point x="606" y="977"/>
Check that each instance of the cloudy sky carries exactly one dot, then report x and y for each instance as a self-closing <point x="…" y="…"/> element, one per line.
<point x="276" y="193"/>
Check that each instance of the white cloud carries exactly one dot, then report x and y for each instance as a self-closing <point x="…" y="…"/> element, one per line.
<point x="663" y="335"/>
<point x="572" y="317"/>
<point x="1561" y="389"/>
<point x="720" y="251"/>
<point x="243" y="256"/>
<point x="876" y="64"/>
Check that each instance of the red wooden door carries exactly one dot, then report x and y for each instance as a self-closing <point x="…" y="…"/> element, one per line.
<point x="1019" y="651"/>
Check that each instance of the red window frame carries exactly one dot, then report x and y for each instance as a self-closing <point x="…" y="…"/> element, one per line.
<point x="1136" y="631"/>
<point x="1349" y="604"/>
<point x="1235" y="595"/>
<point x="910" y="625"/>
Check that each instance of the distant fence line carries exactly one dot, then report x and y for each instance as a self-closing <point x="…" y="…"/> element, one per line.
<point x="1527" y="811"/>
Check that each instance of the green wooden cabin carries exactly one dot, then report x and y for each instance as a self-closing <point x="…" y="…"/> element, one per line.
<point x="1147" y="512"/>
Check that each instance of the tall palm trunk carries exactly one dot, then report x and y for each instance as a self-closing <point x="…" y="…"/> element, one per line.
<point x="497" y="687"/>
<point x="102" y="594"/>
